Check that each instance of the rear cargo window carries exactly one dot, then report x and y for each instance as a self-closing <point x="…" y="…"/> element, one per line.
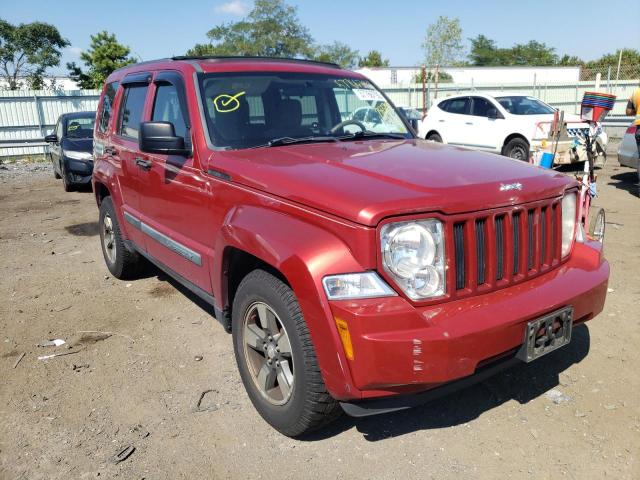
<point x="107" y="106"/>
<point x="131" y="110"/>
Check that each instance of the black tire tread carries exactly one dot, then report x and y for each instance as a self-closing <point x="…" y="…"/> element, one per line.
<point x="128" y="264"/>
<point x="320" y="407"/>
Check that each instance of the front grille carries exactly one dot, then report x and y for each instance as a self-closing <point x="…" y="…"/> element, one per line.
<point x="499" y="248"/>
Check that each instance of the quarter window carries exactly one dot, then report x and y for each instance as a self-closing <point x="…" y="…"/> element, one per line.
<point x="107" y="106"/>
<point x="131" y="110"/>
<point x="166" y="108"/>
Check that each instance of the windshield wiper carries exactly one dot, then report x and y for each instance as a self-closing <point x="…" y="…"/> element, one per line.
<point x="370" y="134"/>
<point x="281" y="141"/>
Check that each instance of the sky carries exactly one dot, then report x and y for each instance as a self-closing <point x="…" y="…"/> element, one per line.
<point x="161" y="28"/>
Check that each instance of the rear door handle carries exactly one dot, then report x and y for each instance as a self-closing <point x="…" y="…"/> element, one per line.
<point x="110" y="151"/>
<point x="468" y="123"/>
<point x="144" y="164"/>
<point x="441" y="120"/>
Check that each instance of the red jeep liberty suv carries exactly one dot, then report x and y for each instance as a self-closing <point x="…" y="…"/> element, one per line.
<point x="357" y="267"/>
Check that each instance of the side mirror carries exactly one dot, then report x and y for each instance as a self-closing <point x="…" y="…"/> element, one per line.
<point x="51" y="138"/>
<point x="160" y="137"/>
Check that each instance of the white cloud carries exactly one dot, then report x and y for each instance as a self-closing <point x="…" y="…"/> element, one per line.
<point x="75" y="51"/>
<point x="234" y="7"/>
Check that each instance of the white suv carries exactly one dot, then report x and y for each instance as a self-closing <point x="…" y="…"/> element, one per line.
<point x="508" y="124"/>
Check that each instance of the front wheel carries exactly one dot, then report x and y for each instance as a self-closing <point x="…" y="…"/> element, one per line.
<point x="276" y="358"/>
<point x="66" y="184"/>
<point x="517" y="148"/>
<point x="434" y="137"/>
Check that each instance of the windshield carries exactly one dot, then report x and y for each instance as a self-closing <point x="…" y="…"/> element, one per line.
<point x="519" y="105"/>
<point x="80" y="127"/>
<point x="245" y="110"/>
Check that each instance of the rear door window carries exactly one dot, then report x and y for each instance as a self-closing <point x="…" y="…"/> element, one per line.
<point x="459" y="106"/>
<point x="131" y="110"/>
<point x="107" y="107"/>
<point x="166" y="108"/>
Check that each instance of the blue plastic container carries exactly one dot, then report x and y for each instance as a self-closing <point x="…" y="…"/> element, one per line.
<point x="547" y="160"/>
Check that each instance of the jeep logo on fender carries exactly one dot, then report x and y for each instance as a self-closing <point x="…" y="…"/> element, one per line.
<point x="505" y="187"/>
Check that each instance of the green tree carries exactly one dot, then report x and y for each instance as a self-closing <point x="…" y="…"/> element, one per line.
<point x="337" y="52"/>
<point x="483" y="51"/>
<point x="532" y="53"/>
<point x="443" y="43"/>
<point x="103" y="57"/>
<point x="271" y="29"/>
<point x="569" y="60"/>
<point x="373" y="59"/>
<point x="27" y="50"/>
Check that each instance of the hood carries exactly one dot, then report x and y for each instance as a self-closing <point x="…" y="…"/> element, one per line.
<point x="366" y="181"/>
<point x="78" y="144"/>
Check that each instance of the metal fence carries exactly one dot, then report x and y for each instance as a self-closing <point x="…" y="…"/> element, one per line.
<point x="565" y="96"/>
<point x="26" y="116"/>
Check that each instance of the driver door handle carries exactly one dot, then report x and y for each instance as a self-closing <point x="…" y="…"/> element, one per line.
<point x="110" y="151"/>
<point x="468" y="123"/>
<point x="144" y="164"/>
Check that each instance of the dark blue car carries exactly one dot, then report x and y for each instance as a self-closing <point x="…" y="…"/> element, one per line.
<point x="71" y="149"/>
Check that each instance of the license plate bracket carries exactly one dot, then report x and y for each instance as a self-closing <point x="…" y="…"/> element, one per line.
<point x="546" y="334"/>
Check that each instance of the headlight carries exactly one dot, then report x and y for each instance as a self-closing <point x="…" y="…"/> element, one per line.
<point x="413" y="254"/>
<point x="77" y="155"/>
<point x="568" y="222"/>
<point x="356" y="285"/>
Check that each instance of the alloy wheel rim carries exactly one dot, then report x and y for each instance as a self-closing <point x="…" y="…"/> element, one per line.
<point x="108" y="238"/>
<point x="267" y="353"/>
<point x="518" y="153"/>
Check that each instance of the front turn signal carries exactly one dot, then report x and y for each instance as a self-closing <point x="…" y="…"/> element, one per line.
<point x="345" y="337"/>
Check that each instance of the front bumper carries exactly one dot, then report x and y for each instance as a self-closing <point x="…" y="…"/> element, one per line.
<point x="78" y="171"/>
<point x="400" y="348"/>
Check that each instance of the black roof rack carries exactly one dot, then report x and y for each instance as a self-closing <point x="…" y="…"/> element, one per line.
<point x="222" y="58"/>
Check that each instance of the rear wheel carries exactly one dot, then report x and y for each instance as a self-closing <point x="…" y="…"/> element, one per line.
<point x="121" y="262"/>
<point x="275" y="357"/>
<point x="517" y="148"/>
<point x="434" y="137"/>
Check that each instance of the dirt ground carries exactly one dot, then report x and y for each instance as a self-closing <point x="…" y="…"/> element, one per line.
<point x="145" y="352"/>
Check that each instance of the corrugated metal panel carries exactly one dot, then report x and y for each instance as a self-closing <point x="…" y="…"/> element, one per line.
<point x="31" y="114"/>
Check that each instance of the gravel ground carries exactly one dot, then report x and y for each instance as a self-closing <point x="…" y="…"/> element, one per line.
<point x="145" y="351"/>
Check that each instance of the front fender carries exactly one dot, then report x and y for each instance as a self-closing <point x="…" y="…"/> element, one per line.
<point x="304" y="253"/>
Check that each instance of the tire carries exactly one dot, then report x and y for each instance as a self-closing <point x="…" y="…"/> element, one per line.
<point x="293" y="398"/>
<point x="121" y="262"/>
<point x="517" y="148"/>
<point x="66" y="184"/>
<point x="434" y="137"/>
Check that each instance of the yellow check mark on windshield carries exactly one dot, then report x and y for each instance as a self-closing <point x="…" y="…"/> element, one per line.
<point x="227" y="103"/>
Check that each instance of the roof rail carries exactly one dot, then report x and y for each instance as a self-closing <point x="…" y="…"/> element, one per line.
<point x="223" y="58"/>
